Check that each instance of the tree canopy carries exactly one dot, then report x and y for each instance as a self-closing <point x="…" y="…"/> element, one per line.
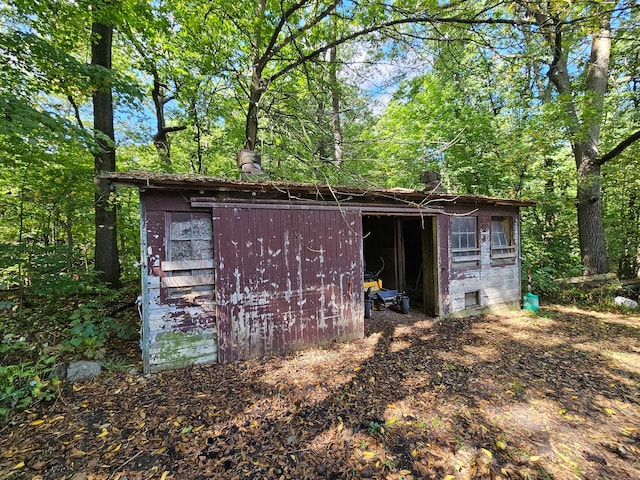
<point x="516" y="98"/>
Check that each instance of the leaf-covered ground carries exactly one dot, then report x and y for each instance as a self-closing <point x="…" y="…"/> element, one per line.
<point x="554" y="395"/>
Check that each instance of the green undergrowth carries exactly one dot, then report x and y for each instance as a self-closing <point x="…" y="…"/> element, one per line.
<point x="594" y="297"/>
<point x="39" y="330"/>
<point x="589" y="294"/>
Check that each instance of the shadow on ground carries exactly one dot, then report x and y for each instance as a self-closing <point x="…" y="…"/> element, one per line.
<point x="553" y="395"/>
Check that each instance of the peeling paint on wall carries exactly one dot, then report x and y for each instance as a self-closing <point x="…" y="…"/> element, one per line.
<point x="495" y="284"/>
<point x="278" y="277"/>
<point x="179" y="326"/>
<point x="292" y="286"/>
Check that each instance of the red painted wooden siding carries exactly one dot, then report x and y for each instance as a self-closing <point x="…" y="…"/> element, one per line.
<point x="286" y="278"/>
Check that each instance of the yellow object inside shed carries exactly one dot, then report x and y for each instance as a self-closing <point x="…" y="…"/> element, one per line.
<point x="373" y="284"/>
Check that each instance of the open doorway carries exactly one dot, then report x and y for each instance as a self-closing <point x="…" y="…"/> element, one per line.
<point x="403" y="250"/>
<point x="410" y="246"/>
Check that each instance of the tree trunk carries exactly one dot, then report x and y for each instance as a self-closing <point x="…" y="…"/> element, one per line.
<point x="335" y="106"/>
<point x="593" y="249"/>
<point x="160" y="139"/>
<point x="197" y="167"/>
<point x="106" y="250"/>
<point x="256" y="88"/>
<point x="585" y="133"/>
<point x="68" y="226"/>
<point x="255" y="94"/>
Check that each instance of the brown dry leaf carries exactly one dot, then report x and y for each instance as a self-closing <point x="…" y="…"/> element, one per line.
<point x="314" y="414"/>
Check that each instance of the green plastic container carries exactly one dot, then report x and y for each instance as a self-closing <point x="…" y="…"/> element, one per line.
<point x="530" y="302"/>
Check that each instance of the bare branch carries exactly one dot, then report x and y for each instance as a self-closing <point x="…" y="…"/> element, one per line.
<point x="76" y="110"/>
<point x="393" y="23"/>
<point x="177" y="128"/>
<point x="621" y="147"/>
<point x="273" y="50"/>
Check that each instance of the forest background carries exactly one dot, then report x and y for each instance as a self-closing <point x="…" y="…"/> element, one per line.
<point x="519" y="99"/>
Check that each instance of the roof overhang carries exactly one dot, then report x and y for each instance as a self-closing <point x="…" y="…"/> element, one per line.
<point x="223" y="189"/>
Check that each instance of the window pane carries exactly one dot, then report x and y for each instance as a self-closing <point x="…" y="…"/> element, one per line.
<point x="507" y="225"/>
<point x="501" y="232"/>
<point x="190" y="236"/>
<point x="201" y="249"/>
<point x="470" y="224"/>
<point x="463" y="236"/>
<point x="180" y="250"/>
<point x="201" y="227"/>
<point x="180" y="227"/>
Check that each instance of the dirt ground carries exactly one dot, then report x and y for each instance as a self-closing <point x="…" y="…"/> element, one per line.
<point x="517" y="395"/>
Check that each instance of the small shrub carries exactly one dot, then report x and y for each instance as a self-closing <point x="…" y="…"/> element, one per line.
<point x="89" y="330"/>
<point x="22" y="384"/>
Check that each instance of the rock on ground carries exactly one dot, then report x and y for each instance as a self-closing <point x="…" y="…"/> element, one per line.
<point x="82" y="370"/>
<point x="625" y="302"/>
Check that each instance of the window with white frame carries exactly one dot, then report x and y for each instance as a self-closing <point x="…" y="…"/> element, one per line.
<point x="464" y="237"/>
<point x="502" y="244"/>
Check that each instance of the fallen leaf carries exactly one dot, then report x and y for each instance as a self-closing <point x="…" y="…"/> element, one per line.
<point x="76" y="453"/>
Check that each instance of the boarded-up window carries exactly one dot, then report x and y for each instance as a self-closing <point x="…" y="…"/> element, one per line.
<point x="464" y="237"/>
<point x="502" y="244"/>
<point x="190" y="236"/>
<point x="471" y="299"/>
<point x="189" y="265"/>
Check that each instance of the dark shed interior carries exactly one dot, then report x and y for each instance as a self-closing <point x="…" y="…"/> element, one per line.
<point x="402" y="249"/>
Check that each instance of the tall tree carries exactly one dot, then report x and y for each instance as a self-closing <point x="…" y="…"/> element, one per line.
<point x="335" y="101"/>
<point x="106" y="249"/>
<point x="287" y="34"/>
<point x="150" y="47"/>
<point x="585" y="109"/>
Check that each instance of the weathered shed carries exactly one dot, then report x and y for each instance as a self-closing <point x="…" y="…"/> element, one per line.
<point x="232" y="270"/>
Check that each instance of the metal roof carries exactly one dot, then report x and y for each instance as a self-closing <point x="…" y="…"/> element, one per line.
<point x="291" y="191"/>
